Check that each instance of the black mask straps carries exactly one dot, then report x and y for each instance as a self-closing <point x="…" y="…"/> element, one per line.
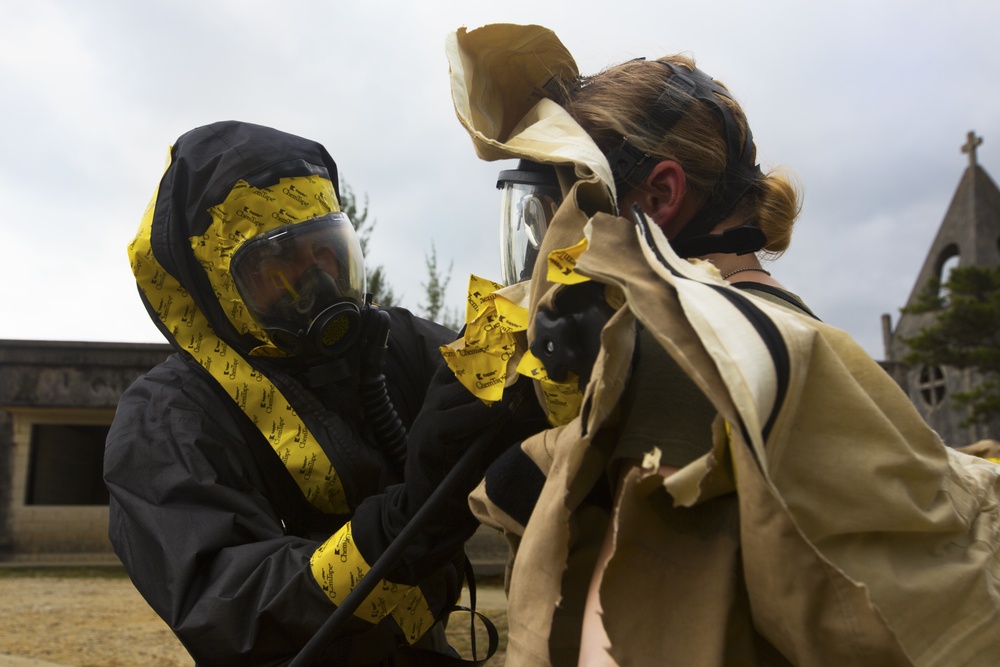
<point x="631" y="166"/>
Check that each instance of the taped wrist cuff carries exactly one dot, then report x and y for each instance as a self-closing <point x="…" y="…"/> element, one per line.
<point x="338" y="567"/>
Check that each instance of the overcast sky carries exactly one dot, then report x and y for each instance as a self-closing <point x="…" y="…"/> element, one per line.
<point x="868" y="102"/>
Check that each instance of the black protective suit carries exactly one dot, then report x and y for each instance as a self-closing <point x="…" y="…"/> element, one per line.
<point x="215" y="510"/>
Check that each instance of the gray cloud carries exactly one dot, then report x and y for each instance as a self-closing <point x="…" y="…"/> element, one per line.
<point x="868" y="103"/>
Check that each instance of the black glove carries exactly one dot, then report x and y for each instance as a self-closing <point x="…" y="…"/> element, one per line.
<point x="450" y="421"/>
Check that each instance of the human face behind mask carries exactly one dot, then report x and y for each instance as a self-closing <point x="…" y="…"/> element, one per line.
<point x="281" y="273"/>
<point x="304" y="283"/>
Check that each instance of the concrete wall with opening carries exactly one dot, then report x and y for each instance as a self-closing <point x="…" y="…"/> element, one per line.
<point x="57" y="400"/>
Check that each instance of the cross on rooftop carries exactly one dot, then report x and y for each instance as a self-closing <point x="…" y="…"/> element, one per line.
<point x="972" y="142"/>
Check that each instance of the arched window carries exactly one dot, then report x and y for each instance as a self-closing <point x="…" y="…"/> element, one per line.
<point x="949" y="260"/>
<point x="931" y="385"/>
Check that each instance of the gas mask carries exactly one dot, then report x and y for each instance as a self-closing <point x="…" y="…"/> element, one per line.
<point x="305" y="284"/>
<point x="530" y="195"/>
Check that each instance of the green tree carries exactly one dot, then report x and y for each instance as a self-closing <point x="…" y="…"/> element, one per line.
<point x="378" y="285"/>
<point x="435" y="289"/>
<point x="965" y="334"/>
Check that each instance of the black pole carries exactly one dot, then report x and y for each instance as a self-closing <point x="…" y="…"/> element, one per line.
<point x="461" y="471"/>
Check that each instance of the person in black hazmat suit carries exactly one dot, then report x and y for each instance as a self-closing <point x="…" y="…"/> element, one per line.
<point x="258" y="473"/>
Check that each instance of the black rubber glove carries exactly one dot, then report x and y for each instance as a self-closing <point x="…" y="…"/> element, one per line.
<point x="451" y="419"/>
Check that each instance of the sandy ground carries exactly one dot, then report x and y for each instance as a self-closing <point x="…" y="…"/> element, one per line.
<point x="84" y="621"/>
<point x="103" y="622"/>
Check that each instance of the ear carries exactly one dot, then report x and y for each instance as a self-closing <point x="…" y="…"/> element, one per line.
<point x="663" y="196"/>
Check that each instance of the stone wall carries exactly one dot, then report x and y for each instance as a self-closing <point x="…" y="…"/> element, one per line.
<point x="63" y="383"/>
<point x="43" y="382"/>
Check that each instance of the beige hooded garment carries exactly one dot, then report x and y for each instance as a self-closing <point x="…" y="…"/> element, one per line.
<point x="828" y="526"/>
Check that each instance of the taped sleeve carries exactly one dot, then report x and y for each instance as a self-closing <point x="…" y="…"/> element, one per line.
<point x="339" y="567"/>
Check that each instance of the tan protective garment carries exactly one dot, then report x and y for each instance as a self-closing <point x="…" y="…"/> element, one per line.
<point x="828" y="519"/>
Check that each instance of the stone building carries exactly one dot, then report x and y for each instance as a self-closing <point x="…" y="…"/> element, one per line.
<point x="969" y="236"/>
<point x="57" y="400"/>
<point x="56" y="404"/>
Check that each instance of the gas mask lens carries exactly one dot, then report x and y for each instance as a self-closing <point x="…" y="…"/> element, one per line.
<point x="530" y="195"/>
<point x="304" y="283"/>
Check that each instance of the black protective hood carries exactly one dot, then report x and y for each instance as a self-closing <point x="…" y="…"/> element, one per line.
<point x="206" y="165"/>
<point x="226" y="184"/>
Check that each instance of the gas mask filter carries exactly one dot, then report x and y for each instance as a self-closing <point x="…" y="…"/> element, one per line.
<point x="305" y="284"/>
<point x="530" y="195"/>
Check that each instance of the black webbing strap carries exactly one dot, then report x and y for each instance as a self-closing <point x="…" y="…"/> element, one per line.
<point x="462" y="470"/>
<point x="630" y="166"/>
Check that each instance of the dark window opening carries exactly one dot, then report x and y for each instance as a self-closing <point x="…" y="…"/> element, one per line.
<point x="65" y="465"/>
<point x="932" y="385"/>
<point x="949" y="261"/>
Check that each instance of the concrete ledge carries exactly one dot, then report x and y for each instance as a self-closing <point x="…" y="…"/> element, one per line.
<point x="62" y="560"/>
<point x="487" y="549"/>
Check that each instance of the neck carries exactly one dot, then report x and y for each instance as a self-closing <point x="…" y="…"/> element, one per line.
<point x="741" y="268"/>
<point x="727" y="276"/>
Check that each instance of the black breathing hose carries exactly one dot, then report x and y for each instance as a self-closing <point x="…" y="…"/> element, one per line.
<point x="380" y="414"/>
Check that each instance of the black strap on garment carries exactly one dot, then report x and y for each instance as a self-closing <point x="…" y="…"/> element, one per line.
<point x="461" y="471"/>
<point x="417" y="657"/>
<point x="748" y="286"/>
<point x="297" y="515"/>
<point x="630" y="166"/>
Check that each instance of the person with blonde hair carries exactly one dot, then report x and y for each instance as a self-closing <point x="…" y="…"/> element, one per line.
<point x="682" y="152"/>
<point x="727" y="480"/>
<point x="681" y="149"/>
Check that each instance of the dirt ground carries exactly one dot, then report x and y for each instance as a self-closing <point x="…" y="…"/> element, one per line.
<point x="97" y="622"/>
<point x="101" y="621"/>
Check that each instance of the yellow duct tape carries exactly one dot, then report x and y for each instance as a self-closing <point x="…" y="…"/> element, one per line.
<point x="338" y="567"/>
<point x="562" y="399"/>
<point x="413" y="615"/>
<point x="562" y="264"/>
<point x="494" y="336"/>
<point x="479" y="359"/>
<point x="257" y="396"/>
<point x="248" y="212"/>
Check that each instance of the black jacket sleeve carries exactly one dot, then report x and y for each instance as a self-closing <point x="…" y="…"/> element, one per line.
<point x="192" y="520"/>
<point x="199" y="540"/>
